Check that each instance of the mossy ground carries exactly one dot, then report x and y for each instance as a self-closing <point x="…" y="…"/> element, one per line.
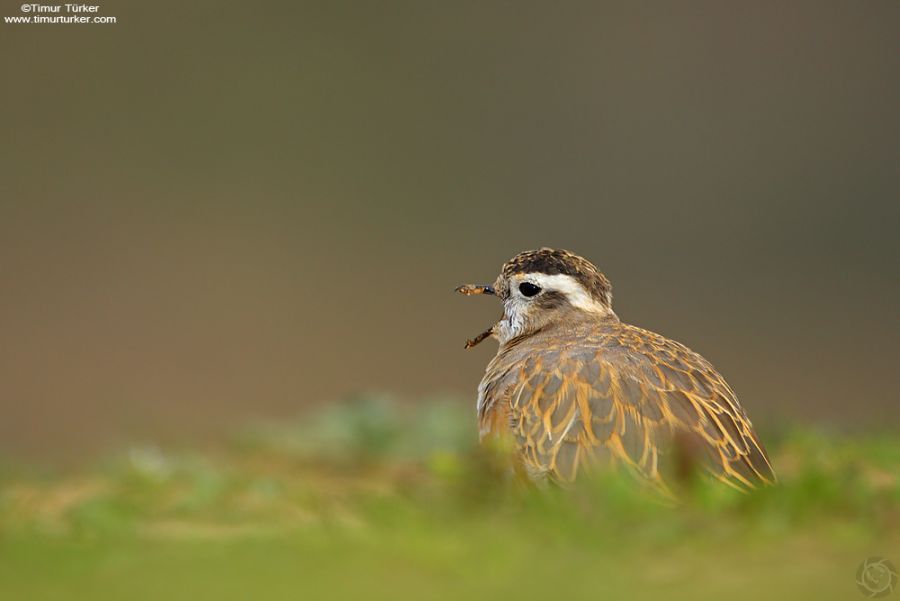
<point x="376" y="500"/>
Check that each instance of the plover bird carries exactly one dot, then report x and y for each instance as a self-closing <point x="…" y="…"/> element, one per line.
<point x="573" y="388"/>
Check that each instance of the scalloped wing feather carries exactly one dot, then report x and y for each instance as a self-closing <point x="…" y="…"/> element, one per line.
<point x="623" y="397"/>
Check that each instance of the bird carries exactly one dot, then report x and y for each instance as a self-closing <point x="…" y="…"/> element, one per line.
<point x="575" y="390"/>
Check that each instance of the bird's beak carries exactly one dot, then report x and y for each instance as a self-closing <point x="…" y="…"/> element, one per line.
<point x="469" y="290"/>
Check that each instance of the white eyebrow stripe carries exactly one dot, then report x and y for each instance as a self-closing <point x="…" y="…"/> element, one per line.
<point x="575" y="293"/>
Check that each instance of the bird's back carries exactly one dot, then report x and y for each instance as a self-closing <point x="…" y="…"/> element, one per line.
<point x="597" y="392"/>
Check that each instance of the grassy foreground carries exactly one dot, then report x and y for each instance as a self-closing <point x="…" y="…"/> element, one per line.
<point x="371" y="500"/>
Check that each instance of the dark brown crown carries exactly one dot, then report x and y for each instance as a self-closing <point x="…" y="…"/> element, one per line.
<point x="553" y="261"/>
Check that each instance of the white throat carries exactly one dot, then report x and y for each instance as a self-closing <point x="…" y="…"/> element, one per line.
<point x="517" y="308"/>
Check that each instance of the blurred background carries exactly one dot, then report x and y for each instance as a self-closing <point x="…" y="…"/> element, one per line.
<point x="213" y="211"/>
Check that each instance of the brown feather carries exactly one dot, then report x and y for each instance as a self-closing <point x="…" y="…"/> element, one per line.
<point x="621" y="396"/>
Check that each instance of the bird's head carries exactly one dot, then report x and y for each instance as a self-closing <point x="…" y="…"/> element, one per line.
<point x="541" y="287"/>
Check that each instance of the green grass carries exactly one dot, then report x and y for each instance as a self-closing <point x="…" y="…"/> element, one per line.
<point x="376" y="500"/>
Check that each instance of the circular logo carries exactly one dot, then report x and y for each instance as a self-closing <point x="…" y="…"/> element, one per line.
<point x="876" y="577"/>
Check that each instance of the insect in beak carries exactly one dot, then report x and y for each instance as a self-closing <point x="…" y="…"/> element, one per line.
<point x="472" y="289"/>
<point x="481" y="337"/>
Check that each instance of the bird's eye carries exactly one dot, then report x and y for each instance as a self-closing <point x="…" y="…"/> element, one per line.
<point x="529" y="289"/>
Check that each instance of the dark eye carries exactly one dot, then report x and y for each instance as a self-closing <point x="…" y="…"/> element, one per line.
<point x="528" y="289"/>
